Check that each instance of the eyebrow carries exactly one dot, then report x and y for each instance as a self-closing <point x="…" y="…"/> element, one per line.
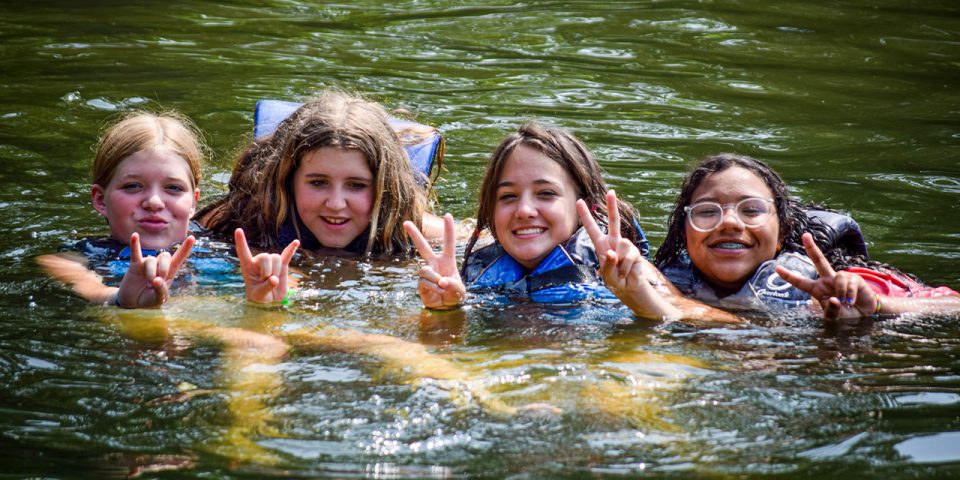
<point x="715" y="200"/>
<point x="323" y="175"/>
<point x="539" y="181"/>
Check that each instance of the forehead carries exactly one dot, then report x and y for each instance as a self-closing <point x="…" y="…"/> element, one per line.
<point x="334" y="161"/>
<point x="731" y="185"/>
<point x="157" y="160"/>
<point x="528" y="165"/>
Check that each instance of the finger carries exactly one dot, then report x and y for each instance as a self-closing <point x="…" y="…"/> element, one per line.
<point x="243" y="250"/>
<point x="816" y="256"/>
<point x="150" y="268"/>
<point x="181" y="255"/>
<point x="613" y="215"/>
<point x="288" y="252"/>
<point x="266" y="265"/>
<point x="160" y="291"/>
<point x="590" y="225"/>
<point x="419" y="242"/>
<point x="430" y="275"/>
<point x="628" y="254"/>
<point x="136" y="256"/>
<point x="841" y="288"/>
<point x="163" y="265"/>
<point x="795" y="279"/>
<point x="276" y="264"/>
<point x="449" y="236"/>
<point x="832" y="308"/>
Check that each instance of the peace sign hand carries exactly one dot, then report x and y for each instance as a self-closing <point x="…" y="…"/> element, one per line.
<point x="264" y="275"/>
<point x="840" y="294"/>
<point x="440" y="286"/>
<point x="624" y="269"/>
<point x="147" y="282"/>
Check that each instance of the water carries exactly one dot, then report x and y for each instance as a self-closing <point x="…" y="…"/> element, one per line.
<point x="855" y="103"/>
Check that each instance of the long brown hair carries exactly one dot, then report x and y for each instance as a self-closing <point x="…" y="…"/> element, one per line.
<point x="565" y="149"/>
<point x="260" y="197"/>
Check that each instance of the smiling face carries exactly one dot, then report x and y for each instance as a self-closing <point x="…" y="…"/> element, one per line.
<point x="151" y="193"/>
<point x="728" y="255"/>
<point x="333" y="191"/>
<point x="535" y="207"/>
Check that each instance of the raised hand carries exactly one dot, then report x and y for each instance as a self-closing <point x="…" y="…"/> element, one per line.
<point x="840" y="294"/>
<point x="624" y="270"/>
<point x="440" y="285"/>
<point x="265" y="275"/>
<point x="147" y="282"/>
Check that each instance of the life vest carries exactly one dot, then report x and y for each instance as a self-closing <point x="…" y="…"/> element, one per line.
<point x="764" y="290"/>
<point x="568" y="274"/>
<point x="205" y="265"/>
<point x="423" y="155"/>
<point x="842" y="231"/>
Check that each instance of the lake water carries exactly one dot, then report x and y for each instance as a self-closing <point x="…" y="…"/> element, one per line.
<point x="855" y="103"/>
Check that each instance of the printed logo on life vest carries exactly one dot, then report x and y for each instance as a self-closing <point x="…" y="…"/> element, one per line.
<point x="776" y="287"/>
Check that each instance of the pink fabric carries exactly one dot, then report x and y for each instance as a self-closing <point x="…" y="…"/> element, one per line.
<point x="892" y="285"/>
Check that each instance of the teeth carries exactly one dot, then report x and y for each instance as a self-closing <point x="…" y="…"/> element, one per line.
<point x="334" y="220"/>
<point x="529" y="231"/>
<point x="730" y="245"/>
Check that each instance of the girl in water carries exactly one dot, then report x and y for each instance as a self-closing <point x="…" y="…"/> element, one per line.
<point x="334" y="178"/>
<point x="737" y="240"/>
<point x="528" y="202"/>
<point x="145" y="176"/>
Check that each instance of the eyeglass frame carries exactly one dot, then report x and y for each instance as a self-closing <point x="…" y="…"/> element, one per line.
<point x="723" y="213"/>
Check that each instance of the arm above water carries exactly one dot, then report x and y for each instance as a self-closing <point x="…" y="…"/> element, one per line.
<point x="637" y="282"/>
<point x="145" y="285"/>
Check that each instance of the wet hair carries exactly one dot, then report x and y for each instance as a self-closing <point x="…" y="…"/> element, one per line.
<point x="260" y="198"/>
<point x="790" y="213"/>
<point x="139" y="131"/>
<point x="565" y="149"/>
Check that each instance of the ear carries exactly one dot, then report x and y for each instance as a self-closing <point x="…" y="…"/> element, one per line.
<point x="196" y="199"/>
<point x="98" y="198"/>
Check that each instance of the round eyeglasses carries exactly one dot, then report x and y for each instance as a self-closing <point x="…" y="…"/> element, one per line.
<point x="753" y="212"/>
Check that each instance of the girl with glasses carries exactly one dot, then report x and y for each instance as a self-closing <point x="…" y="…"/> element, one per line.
<point x="737" y="240"/>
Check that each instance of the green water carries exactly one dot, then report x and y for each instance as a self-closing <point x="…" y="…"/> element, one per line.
<point x="856" y="104"/>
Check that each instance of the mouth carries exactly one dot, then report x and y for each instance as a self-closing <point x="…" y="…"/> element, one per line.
<point x="529" y="231"/>
<point x="730" y="245"/>
<point x="153" y="224"/>
<point x="335" y="221"/>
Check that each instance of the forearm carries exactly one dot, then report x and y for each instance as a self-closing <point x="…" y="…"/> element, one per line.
<point x="84" y="282"/>
<point x="892" y="306"/>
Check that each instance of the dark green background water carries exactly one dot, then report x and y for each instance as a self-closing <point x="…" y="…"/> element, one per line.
<point x="856" y="104"/>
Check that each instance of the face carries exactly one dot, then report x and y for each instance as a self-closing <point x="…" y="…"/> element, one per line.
<point x="728" y="255"/>
<point x="333" y="190"/>
<point x="535" y="206"/>
<point x="150" y="193"/>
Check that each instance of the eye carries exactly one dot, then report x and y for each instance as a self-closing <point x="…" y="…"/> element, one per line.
<point x="357" y="185"/>
<point x="176" y="188"/>
<point x="318" y="182"/>
<point x="506" y="197"/>
<point x="547" y="194"/>
<point x="131" y="186"/>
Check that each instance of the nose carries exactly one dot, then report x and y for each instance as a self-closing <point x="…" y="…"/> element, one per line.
<point x="730" y="218"/>
<point x="336" y="200"/>
<point x="153" y="202"/>
<point x="526" y="208"/>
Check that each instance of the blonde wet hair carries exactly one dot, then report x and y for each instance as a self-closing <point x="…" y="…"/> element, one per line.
<point x="138" y="131"/>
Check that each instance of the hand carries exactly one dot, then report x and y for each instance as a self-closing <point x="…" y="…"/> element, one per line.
<point x="147" y="282"/>
<point x="840" y="294"/>
<point x="624" y="269"/>
<point x="440" y="285"/>
<point x="265" y="276"/>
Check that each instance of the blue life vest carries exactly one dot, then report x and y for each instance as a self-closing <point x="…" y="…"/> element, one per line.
<point x="204" y="266"/>
<point x="764" y="290"/>
<point x="269" y="114"/>
<point x="568" y="274"/>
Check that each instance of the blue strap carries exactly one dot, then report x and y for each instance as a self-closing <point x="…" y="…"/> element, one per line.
<point x="269" y="114"/>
